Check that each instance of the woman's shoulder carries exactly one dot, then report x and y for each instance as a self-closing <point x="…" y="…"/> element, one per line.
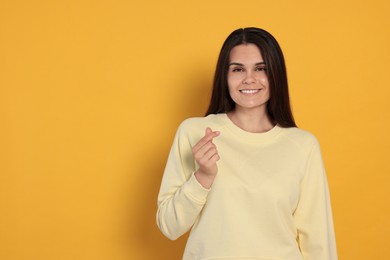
<point x="193" y="128"/>
<point x="211" y="121"/>
<point x="300" y="136"/>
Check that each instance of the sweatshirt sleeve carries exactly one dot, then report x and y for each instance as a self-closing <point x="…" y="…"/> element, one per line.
<point x="181" y="197"/>
<point x="313" y="216"/>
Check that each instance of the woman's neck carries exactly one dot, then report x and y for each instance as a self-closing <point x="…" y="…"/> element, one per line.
<point x="251" y="120"/>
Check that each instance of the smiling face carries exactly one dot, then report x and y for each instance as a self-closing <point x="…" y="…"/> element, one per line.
<point x="247" y="78"/>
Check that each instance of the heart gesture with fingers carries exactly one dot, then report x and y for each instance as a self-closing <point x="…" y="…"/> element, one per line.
<point x="206" y="155"/>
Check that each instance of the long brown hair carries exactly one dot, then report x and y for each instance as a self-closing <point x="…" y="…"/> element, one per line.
<point x="278" y="106"/>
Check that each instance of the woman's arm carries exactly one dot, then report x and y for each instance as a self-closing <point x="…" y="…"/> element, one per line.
<point x="313" y="216"/>
<point x="181" y="196"/>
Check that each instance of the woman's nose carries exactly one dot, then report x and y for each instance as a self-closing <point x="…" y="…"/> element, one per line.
<point x="249" y="78"/>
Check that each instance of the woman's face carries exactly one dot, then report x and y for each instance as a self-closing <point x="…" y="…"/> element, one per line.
<point x="247" y="78"/>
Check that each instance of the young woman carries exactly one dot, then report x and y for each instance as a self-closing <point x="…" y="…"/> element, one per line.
<point x="246" y="181"/>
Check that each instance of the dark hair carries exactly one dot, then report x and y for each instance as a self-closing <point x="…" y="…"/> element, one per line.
<point x="278" y="106"/>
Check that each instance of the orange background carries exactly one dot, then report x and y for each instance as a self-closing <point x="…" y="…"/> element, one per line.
<point x="91" y="94"/>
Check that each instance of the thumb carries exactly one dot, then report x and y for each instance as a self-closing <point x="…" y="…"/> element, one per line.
<point x="208" y="130"/>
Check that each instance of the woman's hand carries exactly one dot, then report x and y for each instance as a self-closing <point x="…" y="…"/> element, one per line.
<point x="206" y="155"/>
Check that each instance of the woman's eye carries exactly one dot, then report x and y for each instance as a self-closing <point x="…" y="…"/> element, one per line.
<point x="238" y="70"/>
<point x="261" y="69"/>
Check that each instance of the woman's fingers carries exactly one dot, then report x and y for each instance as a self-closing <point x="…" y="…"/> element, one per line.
<point x="205" y="152"/>
<point x="206" y="155"/>
<point x="209" y="136"/>
<point x="204" y="149"/>
<point x="211" y="155"/>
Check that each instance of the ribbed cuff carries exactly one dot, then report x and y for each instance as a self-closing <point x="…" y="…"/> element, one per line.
<point x="195" y="190"/>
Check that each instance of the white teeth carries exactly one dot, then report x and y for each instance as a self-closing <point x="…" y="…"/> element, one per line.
<point x="249" y="91"/>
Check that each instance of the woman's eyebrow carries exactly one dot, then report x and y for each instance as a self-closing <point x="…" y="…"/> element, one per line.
<point x="236" y="63"/>
<point x="240" y="64"/>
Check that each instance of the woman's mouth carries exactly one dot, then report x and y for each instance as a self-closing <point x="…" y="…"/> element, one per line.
<point x="249" y="91"/>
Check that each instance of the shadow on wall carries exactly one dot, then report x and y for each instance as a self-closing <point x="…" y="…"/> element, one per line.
<point x="150" y="241"/>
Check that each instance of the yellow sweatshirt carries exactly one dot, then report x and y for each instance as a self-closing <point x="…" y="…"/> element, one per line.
<point x="269" y="201"/>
